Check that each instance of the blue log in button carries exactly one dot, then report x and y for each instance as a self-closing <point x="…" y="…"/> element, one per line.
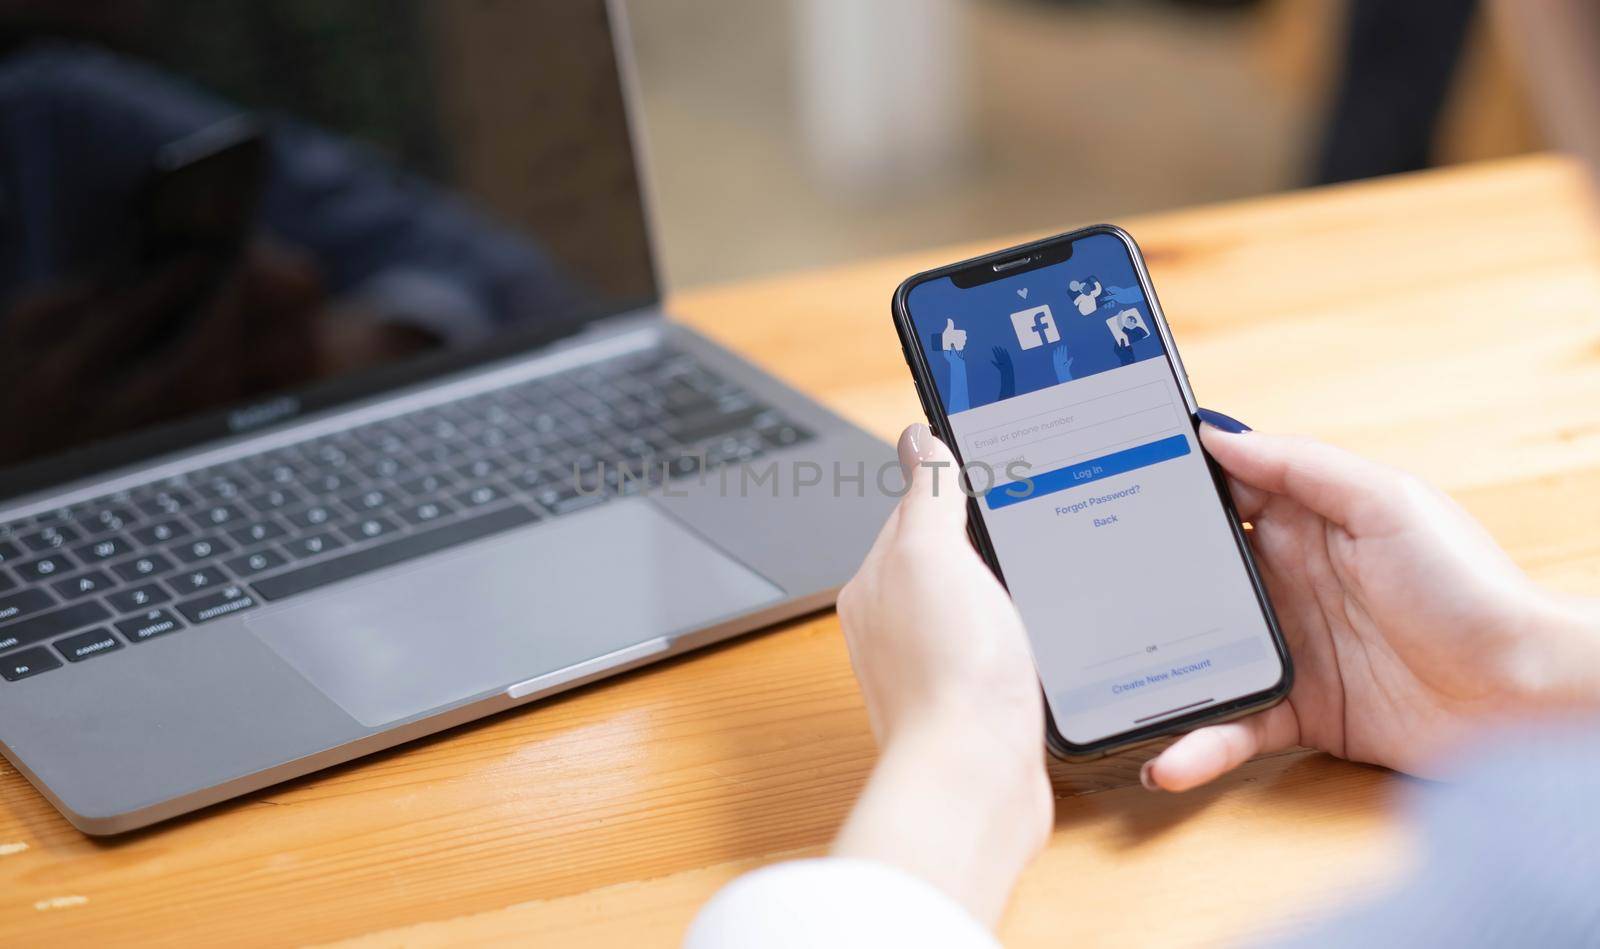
<point x="1118" y="462"/>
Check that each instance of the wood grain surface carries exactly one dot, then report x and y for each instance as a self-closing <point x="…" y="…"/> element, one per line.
<point x="1447" y="322"/>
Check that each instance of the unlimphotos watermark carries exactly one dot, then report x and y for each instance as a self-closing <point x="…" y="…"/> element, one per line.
<point x="792" y="478"/>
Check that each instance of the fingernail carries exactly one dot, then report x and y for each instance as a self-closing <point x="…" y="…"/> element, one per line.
<point x="1227" y="423"/>
<point x="1147" y="776"/>
<point x="916" y="446"/>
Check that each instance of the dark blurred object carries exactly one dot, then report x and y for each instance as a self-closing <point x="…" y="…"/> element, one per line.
<point x="1400" y="59"/>
<point x="204" y="190"/>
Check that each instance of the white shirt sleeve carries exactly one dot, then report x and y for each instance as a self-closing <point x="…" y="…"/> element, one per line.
<point x="835" y="903"/>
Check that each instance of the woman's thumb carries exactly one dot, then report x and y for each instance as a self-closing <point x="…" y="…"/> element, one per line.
<point x="934" y="499"/>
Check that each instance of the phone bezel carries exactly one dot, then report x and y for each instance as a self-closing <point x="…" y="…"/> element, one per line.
<point x="933" y="407"/>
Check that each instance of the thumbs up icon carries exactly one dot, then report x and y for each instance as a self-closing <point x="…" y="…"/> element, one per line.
<point x="953" y="338"/>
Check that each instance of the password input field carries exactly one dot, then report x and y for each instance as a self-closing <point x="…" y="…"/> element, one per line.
<point x="1071" y="431"/>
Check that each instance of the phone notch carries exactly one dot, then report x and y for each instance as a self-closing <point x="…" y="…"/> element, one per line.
<point x="1011" y="263"/>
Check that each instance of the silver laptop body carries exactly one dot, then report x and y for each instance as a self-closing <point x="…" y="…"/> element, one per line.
<point x="234" y="593"/>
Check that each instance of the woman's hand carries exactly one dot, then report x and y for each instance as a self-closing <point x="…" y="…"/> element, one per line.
<point x="1410" y="629"/>
<point x="959" y="796"/>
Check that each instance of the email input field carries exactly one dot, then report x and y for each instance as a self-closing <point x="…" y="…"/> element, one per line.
<point x="1081" y="428"/>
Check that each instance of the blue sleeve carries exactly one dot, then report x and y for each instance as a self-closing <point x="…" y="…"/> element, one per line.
<point x="1512" y="855"/>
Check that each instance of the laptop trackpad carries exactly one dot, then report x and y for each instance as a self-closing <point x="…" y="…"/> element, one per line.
<point x="534" y="602"/>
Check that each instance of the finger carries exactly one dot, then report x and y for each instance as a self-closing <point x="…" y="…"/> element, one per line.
<point x="891" y="524"/>
<point x="884" y="540"/>
<point x="934" y="502"/>
<point x="1248" y="501"/>
<point x="1207" y="753"/>
<point x="38" y="319"/>
<point x="1341" y="486"/>
<point x="126" y="319"/>
<point x="282" y="294"/>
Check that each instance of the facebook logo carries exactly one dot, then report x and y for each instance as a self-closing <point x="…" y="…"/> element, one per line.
<point x="1035" y="327"/>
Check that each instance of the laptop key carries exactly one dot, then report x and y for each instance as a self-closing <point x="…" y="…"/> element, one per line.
<point x="438" y="453"/>
<point x="329" y="453"/>
<point x="29" y="662"/>
<point x="106" y="548"/>
<point x="203" y="548"/>
<point x="46" y="568"/>
<point x="193" y="581"/>
<point x="84" y="584"/>
<point x="162" y="532"/>
<point x="110" y="519"/>
<point x="6" y="583"/>
<point x="399" y="550"/>
<point x="372" y="499"/>
<point x="258" y="533"/>
<point x="149" y="625"/>
<point x="385" y="468"/>
<point x="51" y="538"/>
<point x="170" y="501"/>
<point x="9" y="552"/>
<point x="369" y="528"/>
<point x="275" y="499"/>
<point x="225" y="488"/>
<point x="479" y="496"/>
<point x="225" y="602"/>
<point x="332" y="483"/>
<point x="427" y="486"/>
<point x="427" y="511"/>
<point x="48" y="625"/>
<point x="261" y="560"/>
<point x="314" y="545"/>
<point x="478" y="469"/>
<point x="23" y="604"/>
<point x="149" y="565"/>
<point x="88" y="645"/>
<point x="279" y="473"/>
<point x="315" y="516"/>
<point x="138" y="598"/>
<point x="782" y="436"/>
<point x="219" y="515"/>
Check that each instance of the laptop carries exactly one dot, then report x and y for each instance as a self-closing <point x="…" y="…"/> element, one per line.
<point x="337" y="402"/>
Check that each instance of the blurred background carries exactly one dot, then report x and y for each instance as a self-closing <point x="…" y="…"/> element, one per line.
<point x="794" y="133"/>
<point x="786" y="134"/>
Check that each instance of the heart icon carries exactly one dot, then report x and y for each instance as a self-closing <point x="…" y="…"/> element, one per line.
<point x="1023" y="293"/>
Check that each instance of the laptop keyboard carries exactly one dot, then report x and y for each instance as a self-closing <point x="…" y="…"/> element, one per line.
<point x="86" y="581"/>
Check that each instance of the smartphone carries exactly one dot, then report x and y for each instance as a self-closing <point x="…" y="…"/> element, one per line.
<point x="203" y="190"/>
<point x="196" y="204"/>
<point x="1050" y="372"/>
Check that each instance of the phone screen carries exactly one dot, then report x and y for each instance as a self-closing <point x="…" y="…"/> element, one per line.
<point x="1111" y="535"/>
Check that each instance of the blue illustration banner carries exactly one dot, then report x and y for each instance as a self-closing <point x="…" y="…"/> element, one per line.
<point x="1083" y="316"/>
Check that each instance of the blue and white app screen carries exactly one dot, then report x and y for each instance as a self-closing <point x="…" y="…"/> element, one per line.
<point x="1099" y="504"/>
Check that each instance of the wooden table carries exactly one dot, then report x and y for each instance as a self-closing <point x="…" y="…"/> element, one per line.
<point x="1448" y="322"/>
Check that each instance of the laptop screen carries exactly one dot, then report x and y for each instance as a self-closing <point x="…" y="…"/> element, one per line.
<point x="219" y="214"/>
